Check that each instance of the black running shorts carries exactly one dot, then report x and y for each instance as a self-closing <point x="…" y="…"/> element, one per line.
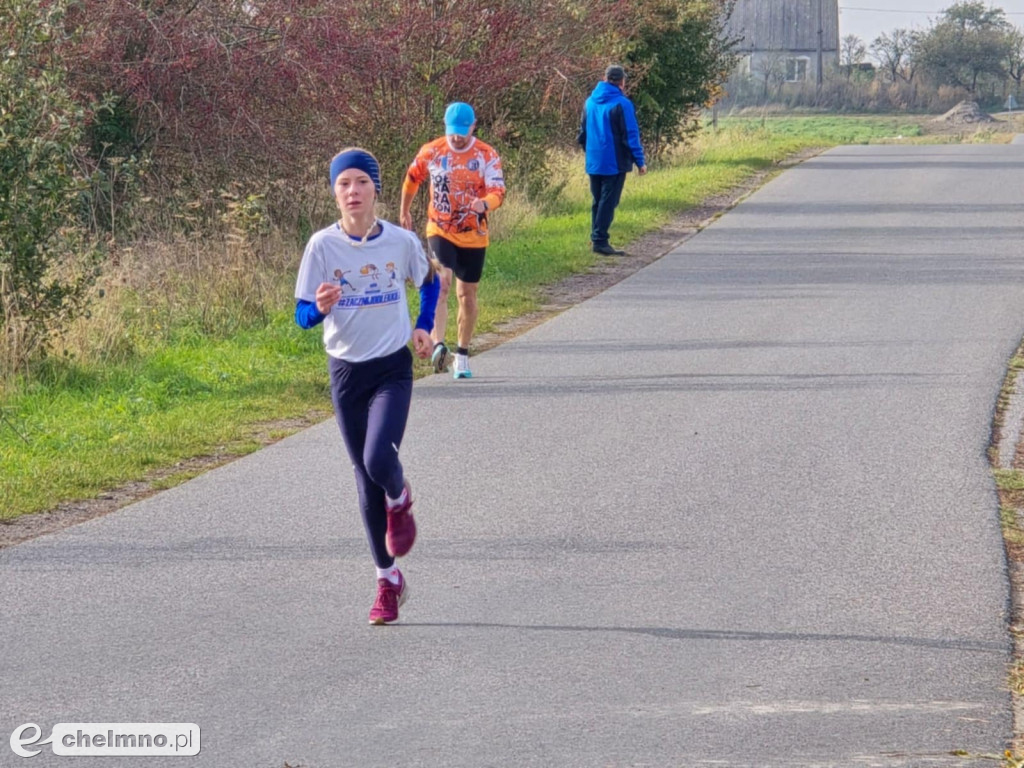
<point x="466" y="263"/>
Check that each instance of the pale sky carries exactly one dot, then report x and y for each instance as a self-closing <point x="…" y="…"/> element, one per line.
<point x="869" y="18"/>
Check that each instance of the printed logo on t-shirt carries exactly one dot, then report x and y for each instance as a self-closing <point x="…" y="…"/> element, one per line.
<point x="369" y="292"/>
<point x="441" y="188"/>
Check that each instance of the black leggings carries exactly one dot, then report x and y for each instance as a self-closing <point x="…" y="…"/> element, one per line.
<point x="371" y="404"/>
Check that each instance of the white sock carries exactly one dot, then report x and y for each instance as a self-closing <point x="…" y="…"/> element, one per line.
<point x="392" y="503"/>
<point x="391" y="574"/>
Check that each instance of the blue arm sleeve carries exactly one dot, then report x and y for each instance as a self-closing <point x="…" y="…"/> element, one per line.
<point x="308" y="316"/>
<point x="633" y="136"/>
<point x="428" y="304"/>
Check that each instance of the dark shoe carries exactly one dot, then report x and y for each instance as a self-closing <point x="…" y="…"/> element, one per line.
<point x="607" y="250"/>
<point x="389" y="599"/>
<point x="401" y="527"/>
<point x="439" y="360"/>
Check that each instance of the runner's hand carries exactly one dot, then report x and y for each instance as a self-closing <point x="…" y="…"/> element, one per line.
<point x="327" y="295"/>
<point x="422" y="343"/>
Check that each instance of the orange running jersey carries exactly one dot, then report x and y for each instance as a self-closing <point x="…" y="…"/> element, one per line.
<point x="456" y="179"/>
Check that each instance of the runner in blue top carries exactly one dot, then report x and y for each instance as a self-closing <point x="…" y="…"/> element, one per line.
<point x="366" y="330"/>
<point x="611" y="138"/>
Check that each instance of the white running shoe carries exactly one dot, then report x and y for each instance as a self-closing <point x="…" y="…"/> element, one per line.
<point x="461" y="368"/>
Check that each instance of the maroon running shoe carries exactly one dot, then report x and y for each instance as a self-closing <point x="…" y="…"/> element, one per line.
<point x="389" y="598"/>
<point x="401" y="526"/>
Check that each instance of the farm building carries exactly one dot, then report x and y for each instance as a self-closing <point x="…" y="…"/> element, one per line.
<point x="791" y="40"/>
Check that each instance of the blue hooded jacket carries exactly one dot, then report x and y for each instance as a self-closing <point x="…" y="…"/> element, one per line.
<point x="609" y="133"/>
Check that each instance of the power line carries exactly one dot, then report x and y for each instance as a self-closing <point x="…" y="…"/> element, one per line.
<point x="893" y="10"/>
<point x="881" y="10"/>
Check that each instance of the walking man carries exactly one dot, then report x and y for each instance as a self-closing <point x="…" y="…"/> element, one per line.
<point x="466" y="183"/>
<point x="611" y="138"/>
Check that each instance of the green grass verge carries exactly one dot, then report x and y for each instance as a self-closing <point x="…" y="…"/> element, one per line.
<point x="835" y="129"/>
<point x="84" y="429"/>
<point x="81" y="428"/>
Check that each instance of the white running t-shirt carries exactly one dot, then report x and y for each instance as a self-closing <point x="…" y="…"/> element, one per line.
<point x="371" y="319"/>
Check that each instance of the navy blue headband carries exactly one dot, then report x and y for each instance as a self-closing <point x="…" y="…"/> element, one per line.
<point x="356" y="158"/>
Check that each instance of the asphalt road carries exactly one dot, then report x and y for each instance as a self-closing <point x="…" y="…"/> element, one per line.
<point x="734" y="511"/>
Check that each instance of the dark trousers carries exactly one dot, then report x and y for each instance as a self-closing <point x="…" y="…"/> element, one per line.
<point x="371" y="405"/>
<point x="606" y="191"/>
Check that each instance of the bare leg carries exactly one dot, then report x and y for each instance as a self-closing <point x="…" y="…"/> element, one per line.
<point x="441" y="313"/>
<point x="466" y="294"/>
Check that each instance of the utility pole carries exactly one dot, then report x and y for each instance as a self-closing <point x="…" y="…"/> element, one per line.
<point x="821" y="34"/>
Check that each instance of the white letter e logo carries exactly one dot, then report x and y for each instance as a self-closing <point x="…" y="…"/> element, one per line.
<point x="19" y="741"/>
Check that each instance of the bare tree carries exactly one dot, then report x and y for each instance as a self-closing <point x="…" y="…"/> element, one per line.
<point x="852" y="52"/>
<point x="771" y="69"/>
<point x="894" y="53"/>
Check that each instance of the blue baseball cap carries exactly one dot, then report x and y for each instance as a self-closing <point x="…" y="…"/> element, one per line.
<point x="458" y="119"/>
